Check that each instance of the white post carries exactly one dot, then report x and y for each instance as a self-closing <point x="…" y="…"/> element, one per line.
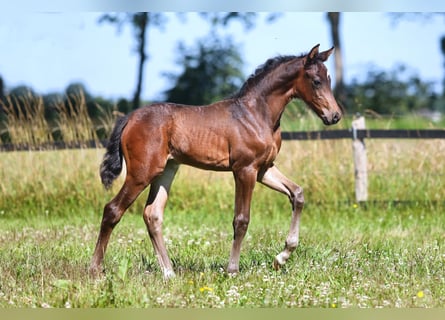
<point x="360" y="161"/>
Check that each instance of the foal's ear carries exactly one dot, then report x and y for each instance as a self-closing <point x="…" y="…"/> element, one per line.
<point x="325" y="54"/>
<point x="309" y="58"/>
<point x="313" y="53"/>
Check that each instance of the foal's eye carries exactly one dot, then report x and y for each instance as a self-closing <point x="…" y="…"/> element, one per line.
<point x="316" y="83"/>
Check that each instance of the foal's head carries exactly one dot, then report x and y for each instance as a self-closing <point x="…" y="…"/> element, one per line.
<point x="313" y="86"/>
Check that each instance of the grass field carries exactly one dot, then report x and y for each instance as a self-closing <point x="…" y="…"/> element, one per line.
<point x="387" y="253"/>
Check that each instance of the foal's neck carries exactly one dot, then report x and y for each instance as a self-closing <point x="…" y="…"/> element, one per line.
<point x="267" y="109"/>
<point x="280" y="88"/>
<point x="268" y="98"/>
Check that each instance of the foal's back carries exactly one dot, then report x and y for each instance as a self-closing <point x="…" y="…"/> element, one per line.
<point x="212" y="137"/>
<point x="195" y="135"/>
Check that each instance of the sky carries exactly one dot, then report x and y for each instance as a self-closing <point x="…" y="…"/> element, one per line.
<point x="49" y="51"/>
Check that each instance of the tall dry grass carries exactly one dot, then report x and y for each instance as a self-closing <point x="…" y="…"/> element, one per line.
<point x="25" y="123"/>
<point x="25" y="120"/>
<point x="398" y="171"/>
<point x="74" y="123"/>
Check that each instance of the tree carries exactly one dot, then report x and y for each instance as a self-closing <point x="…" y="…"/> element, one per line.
<point x="2" y="97"/>
<point x="141" y="22"/>
<point x="50" y="101"/>
<point x="334" y="22"/>
<point x="76" y="88"/>
<point x="22" y="98"/>
<point x="442" y="48"/>
<point x="211" y="71"/>
<point x="2" y="88"/>
<point x="395" y="92"/>
<point x="246" y="18"/>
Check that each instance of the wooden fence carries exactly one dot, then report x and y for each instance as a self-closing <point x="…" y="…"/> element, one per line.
<point x="358" y="133"/>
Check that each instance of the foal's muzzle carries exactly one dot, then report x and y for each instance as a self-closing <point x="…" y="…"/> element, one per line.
<point x="331" y="118"/>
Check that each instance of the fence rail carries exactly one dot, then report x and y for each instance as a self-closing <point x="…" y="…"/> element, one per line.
<point x="56" y="145"/>
<point x="286" y="135"/>
<point x="365" y="133"/>
<point x="358" y="133"/>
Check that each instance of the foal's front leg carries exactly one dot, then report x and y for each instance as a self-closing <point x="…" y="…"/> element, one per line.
<point x="275" y="180"/>
<point x="244" y="184"/>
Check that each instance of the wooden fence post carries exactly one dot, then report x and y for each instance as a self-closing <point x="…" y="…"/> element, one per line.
<point x="360" y="161"/>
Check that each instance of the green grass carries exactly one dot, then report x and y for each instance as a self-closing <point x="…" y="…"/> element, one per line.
<point x="350" y="257"/>
<point x="382" y="254"/>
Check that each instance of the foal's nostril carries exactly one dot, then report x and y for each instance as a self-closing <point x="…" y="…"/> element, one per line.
<point x="336" y="118"/>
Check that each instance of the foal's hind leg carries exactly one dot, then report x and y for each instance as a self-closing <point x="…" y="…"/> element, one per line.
<point x="154" y="212"/>
<point x="244" y="184"/>
<point x="274" y="179"/>
<point x="112" y="214"/>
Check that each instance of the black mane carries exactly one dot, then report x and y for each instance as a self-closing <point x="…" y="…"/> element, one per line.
<point x="262" y="71"/>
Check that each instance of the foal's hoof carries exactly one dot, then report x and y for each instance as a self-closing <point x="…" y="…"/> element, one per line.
<point x="169" y="274"/>
<point x="276" y="265"/>
<point x="278" y="262"/>
<point x="232" y="270"/>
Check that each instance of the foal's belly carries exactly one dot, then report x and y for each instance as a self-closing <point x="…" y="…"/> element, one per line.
<point x="201" y="149"/>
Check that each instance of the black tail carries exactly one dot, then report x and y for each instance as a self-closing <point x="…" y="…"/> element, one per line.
<point x="111" y="165"/>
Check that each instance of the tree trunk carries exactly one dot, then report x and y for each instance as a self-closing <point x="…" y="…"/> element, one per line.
<point x="442" y="47"/>
<point x="141" y="21"/>
<point x="2" y="88"/>
<point x="334" y="21"/>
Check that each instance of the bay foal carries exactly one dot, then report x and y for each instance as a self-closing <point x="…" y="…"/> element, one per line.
<point x="240" y="134"/>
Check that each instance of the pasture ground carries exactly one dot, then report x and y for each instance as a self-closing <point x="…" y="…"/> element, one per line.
<point x="387" y="253"/>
